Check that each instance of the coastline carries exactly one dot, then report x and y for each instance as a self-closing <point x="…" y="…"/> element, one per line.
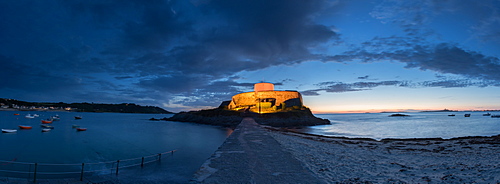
<point x="365" y="160"/>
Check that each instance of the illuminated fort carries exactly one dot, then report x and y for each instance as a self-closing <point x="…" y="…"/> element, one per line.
<point x="265" y="100"/>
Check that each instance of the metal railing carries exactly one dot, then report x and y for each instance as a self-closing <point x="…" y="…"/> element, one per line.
<point x="34" y="170"/>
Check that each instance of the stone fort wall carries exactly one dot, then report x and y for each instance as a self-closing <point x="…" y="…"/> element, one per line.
<point x="272" y="98"/>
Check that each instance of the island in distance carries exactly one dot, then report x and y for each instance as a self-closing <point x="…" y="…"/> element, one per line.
<point x="264" y="104"/>
<point x="11" y="104"/>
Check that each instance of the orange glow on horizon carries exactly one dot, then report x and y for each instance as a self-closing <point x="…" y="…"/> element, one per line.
<point x="395" y="110"/>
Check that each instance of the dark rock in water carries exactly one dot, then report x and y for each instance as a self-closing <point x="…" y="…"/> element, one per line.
<point x="294" y="118"/>
<point x="396" y="115"/>
<point x="217" y="116"/>
<point x="229" y="118"/>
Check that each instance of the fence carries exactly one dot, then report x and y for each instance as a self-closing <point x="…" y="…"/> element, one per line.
<point x="34" y="170"/>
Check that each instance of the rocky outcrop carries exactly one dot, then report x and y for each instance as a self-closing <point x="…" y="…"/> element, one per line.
<point x="219" y="117"/>
<point x="229" y="118"/>
<point x="294" y="118"/>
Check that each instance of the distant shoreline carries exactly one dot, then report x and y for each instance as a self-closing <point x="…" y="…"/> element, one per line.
<point x="60" y="110"/>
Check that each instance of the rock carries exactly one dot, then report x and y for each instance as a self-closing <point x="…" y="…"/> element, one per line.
<point x="396" y="115"/>
<point x="229" y="118"/>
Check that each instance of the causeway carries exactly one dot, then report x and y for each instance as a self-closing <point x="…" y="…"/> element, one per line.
<point x="251" y="155"/>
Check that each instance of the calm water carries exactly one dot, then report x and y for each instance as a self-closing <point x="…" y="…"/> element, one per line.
<point x="417" y="125"/>
<point x="111" y="136"/>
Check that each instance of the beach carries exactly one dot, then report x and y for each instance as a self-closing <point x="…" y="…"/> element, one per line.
<point x="344" y="160"/>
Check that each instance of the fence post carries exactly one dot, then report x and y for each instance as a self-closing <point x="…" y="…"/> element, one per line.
<point x="81" y="174"/>
<point x="34" y="173"/>
<point x="142" y="162"/>
<point x="29" y="171"/>
<point x="117" y="165"/>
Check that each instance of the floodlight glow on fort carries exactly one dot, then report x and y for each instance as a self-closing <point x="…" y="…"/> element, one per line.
<point x="264" y="99"/>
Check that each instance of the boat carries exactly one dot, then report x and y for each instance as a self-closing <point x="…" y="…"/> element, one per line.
<point x="495" y="116"/>
<point x="29" y="116"/>
<point x="81" y="129"/>
<point x="46" y="129"/>
<point x="78" y="117"/>
<point x="46" y="121"/>
<point x="451" y="114"/>
<point x="25" y="127"/>
<point x="35" y="115"/>
<point x="75" y="126"/>
<point x="16" y="114"/>
<point x="9" y="130"/>
<point x="487" y="114"/>
<point x="55" y="118"/>
<point x="47" y="126"/>
<point x="466" y="115"/>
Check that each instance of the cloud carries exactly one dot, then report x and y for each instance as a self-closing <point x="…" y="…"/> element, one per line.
<point x="443" y="82"/>
<point x="172" y="47"/>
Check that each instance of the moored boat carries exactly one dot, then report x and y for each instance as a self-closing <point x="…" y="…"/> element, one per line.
<point x="46" y="129"/>
<point x="76" y="126"/>
<point x="29" y="116"/>
<point x="487" y="114"/>
<point x="495" y="116"/>
<point x="466" y="115"/>
<point x="55" y="118"/>
<point x="25" y="127"/>
<point x="451" y="114"/>
<point x="16" y="114"/>
<point x="9" y="130"/>
<point x="46" y="121"/>
<point x="78" y="117"/>
<point x="47" y="126"/>
<point x="81" y="129"/>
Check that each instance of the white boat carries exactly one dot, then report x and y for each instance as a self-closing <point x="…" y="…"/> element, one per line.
<point x="9" y="130"/>
<point x="29" y="116"/>
<point x="46" y="129"/>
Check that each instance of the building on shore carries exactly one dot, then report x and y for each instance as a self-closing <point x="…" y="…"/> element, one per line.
<point x="264" y="99"/>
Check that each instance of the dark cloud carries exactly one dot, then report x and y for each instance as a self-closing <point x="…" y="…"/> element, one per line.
<point x="174" y="47"/>
<point x="364" y="77"/>
<point x="443" y="82"/>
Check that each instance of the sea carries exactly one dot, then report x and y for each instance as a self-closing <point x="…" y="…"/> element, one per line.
<point x="109" y="137"/>
<point x="417" y="125"/>
<point x="121" y="136"/>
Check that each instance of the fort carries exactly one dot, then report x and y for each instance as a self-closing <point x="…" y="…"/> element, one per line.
<point x="264" y="99"/>
<point x="265" y="105"/>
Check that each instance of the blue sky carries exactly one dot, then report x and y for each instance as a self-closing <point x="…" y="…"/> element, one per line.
<point x="343" y="56"/>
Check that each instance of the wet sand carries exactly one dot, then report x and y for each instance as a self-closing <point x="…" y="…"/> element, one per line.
<point x="343" y="160"/>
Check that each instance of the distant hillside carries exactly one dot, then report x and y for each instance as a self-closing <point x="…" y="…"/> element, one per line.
<point x="82" y="107"/>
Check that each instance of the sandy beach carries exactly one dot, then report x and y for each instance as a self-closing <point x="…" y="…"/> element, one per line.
<point x="343" y="160"/>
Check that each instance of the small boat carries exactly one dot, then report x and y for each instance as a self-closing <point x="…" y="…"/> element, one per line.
<point x="451" y="114"/>
<point x="25" y="127"/>
<point x="16" y="114"/>
<point x="36" y="115"/>
<point x="81" y="129"/>
<point x="466" y="115"/>
<point x="495" y="116"/>
<point x="9" y="130"/>
<point x="75" y="126"/>
<point x="55" y="118"/>
<point x="487" y="114"/>
<point x="46" y="121"/>
<point x="47" y="126"/>
<point x="78" y="117"/>
<point x="29" y="116"/>
<point x="46" y="129"/>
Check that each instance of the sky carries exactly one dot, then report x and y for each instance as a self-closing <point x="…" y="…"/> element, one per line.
<point x="342" y="55"/>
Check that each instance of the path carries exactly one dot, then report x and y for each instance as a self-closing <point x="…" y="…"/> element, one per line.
<point x="250" y="155"/>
